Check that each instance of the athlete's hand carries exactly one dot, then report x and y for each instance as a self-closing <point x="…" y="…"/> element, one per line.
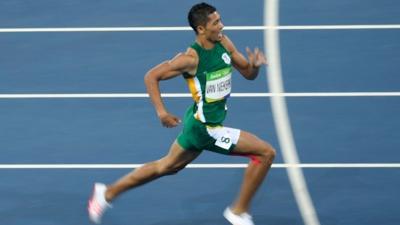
<point x="169" y="120"/>
<point x="256" y="58"/>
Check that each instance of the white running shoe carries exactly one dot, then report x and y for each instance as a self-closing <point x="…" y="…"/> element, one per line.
<point x="242" y="219"/>
<point x="97" y="203"/>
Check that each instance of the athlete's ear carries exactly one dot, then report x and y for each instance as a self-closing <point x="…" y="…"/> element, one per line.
<point x="201" y="29"/>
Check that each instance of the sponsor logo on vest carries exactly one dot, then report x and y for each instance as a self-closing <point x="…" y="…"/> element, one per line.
<point x="226" y="58"/>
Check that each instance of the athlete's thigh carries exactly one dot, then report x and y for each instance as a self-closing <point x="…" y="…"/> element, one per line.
<point x="250" y="144"/>
<point x="178" y="156"/>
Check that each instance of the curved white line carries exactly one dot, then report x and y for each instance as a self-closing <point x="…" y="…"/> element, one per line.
<point x="281" y="118"/>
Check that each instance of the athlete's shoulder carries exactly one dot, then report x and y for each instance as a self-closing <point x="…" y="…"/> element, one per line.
<point x="190" y="52"/>
<point x="227" y="43"/>
<point x="192" y="58"/>
<point x="189" y="57"/>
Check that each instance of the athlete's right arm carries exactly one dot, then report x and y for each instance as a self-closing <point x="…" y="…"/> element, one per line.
<point x="183" y="62"/>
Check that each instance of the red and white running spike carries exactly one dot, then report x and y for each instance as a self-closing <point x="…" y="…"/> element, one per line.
<point x="242" y="219"/>
<point x="97" y="204"/>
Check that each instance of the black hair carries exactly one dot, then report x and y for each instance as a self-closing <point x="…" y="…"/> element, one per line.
<point x="198" y="15"/>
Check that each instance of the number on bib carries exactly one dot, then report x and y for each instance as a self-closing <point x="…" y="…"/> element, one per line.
<point x="224" y="141"/>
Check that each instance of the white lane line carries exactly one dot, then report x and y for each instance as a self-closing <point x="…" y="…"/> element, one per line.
<point x="281" y="118"/>
<point x="340" y="27"/>
<point x="187" y="95"/>
<point x="208" y="166"/>
<point x="186" y="28"/>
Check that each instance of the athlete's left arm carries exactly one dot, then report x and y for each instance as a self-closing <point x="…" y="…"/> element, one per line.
<point x="248" y="68"/>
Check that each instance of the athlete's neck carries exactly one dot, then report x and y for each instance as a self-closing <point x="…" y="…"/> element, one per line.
<point x="203" y="42"/>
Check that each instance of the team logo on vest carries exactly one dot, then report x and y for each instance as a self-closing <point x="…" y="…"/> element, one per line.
<point x="226" y="58"/>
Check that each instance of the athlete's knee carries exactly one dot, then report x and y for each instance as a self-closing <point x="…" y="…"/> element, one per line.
<point x="166" y="168"/>
<point x="267" y="152"/>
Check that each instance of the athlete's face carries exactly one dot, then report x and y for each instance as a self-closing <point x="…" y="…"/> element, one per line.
<point x="214" y="26"/>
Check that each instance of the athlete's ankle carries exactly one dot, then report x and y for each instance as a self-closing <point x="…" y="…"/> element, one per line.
<point x="108" y="195"/>
<point x="238" y="209"/>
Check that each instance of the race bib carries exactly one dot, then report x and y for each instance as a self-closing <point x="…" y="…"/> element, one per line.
<point x="224" y="141"/>
<point x="224" y="137"/>
<point x="218" y="85"/>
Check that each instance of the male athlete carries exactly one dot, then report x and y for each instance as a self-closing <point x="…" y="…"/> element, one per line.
<point x="207" y="68"/>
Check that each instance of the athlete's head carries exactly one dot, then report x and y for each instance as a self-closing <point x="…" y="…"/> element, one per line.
<point x="205" y="20"/>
